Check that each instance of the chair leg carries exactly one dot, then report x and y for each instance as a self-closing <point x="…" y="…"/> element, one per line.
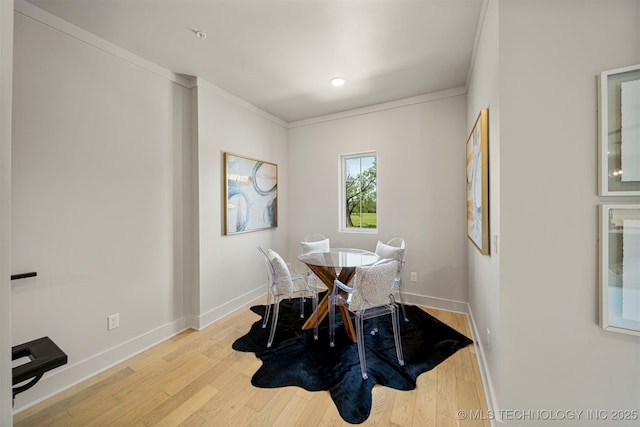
<point x="401" y="296"/>
<point x="267" y="311"/>
<point x="314" y="302"/>
<point x="274" y="322"/>
<point x="361" y="348"/>
<point x="302" y="300"/>
<point x="374" y="327"/>
<point x="404" y="311"/>
<point x="332" y="321"/>
<point x="396" y="336"/>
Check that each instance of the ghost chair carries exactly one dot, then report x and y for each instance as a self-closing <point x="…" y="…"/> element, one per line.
<point x="315" y="242"/>
<point x="395" y="248"/>
<point x="283" y="285"/>
<point x="371" y="296"/>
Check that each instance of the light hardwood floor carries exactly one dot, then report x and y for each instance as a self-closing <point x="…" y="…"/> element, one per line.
<point x="197" y="379"/>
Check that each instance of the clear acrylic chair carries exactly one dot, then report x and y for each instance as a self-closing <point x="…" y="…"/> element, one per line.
<point x="395" y="248"/>
<point x="315" y="242"/>
<point x="371" y="296"/>
<point x="284" y="285"/>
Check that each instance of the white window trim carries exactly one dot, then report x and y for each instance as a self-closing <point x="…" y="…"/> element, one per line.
<point x="342" y="192"/>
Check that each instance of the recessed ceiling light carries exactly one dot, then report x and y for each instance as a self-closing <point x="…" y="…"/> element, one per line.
<point x="337" y="81"/>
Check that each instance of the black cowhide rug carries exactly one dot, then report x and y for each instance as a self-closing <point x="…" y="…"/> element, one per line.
<point x="296" y="359"/>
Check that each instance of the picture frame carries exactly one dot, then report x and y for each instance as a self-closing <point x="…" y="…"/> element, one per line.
<point x="619" y="132"/>
<point x="620" y="268"/>
<point x="478" y="183"/>
<point x="250" y="194"/>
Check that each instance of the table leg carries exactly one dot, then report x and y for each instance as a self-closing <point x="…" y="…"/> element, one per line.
<point x="327" y="275"/>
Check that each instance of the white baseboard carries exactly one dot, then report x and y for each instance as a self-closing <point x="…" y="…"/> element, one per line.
<point x="485" y="374"/>
<point x="465" y="308"/>
<point x="217" y="313"/>
<point x="435" y="302"/>
<point x="69" y="375"/>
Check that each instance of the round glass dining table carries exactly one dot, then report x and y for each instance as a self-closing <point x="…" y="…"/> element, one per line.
<point x="340" y="258"/>
<point x="325" y="265"/>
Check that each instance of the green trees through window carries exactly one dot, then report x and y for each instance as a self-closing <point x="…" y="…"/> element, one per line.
<point x="360" y="191"/>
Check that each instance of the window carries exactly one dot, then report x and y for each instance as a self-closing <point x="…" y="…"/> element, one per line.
<point x="359" y="193"/>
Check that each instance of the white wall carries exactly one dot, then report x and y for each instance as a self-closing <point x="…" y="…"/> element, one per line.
<point x="105" y="238"/>
<point x="118" y="198"/>
<point x="484" y="270"/>
<point x="549" y="216"/>
<point x="552" y="353"/>
<point x="98" y="149"/>
<point x="421" y="181"/>
<point x="6" y="71"/>
<point x="231" y="272"/>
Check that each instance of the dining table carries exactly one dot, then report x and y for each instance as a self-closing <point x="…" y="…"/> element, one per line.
<point x="341" y="264"/>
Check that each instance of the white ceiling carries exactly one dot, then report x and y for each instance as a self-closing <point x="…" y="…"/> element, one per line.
<point x="279" y="55"/>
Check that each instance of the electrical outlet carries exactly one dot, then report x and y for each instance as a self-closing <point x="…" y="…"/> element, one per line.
<point x="488" y="338"/>
<point x="113" y="321"/>
<point x="414" y="276"/>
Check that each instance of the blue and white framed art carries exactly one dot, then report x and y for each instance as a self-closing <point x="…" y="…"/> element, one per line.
<point x="251" y="194"/>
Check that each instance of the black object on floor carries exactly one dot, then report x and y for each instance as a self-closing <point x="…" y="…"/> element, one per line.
<point x="296" y="359"/>
<point x="44" y="356"/>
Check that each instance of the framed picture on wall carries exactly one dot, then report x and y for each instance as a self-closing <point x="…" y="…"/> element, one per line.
<point x="619" y="133"/>
<point x="620" y="268"/>
<point x="478" y="183"/>
<point x="251" y="194"/>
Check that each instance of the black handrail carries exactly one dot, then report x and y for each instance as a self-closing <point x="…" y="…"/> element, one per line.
<point x="23" y="275"/>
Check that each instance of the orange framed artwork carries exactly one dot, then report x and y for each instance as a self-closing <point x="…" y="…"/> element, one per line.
<point x="478" y="183"/>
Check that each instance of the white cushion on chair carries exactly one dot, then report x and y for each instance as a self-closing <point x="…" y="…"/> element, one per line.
<point x="319" y="246"/>
<point x="373" y="285"/>
<point x="282" y="278"/>
<point x="390" y="252"/>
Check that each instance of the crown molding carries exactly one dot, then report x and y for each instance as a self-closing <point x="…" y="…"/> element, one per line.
<point x="381" y="107"/>
<point x="27" y="9"/>
<point x="201" y="83"/>
<point x="476" y="42"/>
<point x="45" y="18"/>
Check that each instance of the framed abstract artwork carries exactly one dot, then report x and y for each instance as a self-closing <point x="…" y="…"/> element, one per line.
<point x="251" y="194"/>
<point x="478" y="183"/>
<point x="620" y="268"/>
<point x="619" y="133"/>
